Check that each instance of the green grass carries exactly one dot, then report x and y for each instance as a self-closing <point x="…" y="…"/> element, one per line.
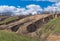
<point x="10" y="36"/>
<point x="10" y="19"/>
<point x="52" y="27"/>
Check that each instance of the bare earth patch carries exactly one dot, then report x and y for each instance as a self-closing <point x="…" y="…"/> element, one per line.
<point x="53" y="38"/>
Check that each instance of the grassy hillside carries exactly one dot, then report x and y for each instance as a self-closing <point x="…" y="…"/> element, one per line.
<point x="8" y="20"/>
<point x="52" y="27"/>
<point x="10" y="36"/>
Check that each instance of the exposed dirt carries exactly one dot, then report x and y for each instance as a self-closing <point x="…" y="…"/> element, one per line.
<point x="53" y="38"/>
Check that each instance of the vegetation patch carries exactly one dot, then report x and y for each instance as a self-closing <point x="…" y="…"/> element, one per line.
<point x="8" y="20"/>
<point x="11" y="36"/>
